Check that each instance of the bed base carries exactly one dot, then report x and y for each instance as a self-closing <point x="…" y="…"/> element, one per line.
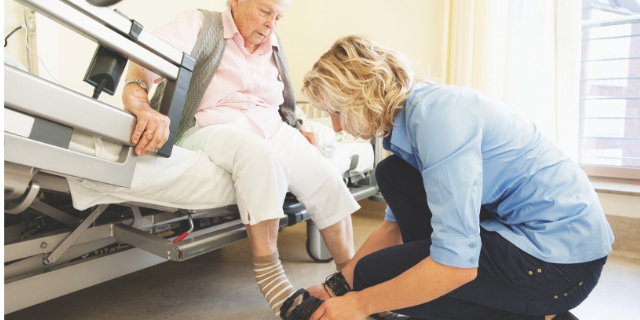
<point x="35" y="266"/>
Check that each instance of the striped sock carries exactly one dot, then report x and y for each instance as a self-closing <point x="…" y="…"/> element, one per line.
<point x="273" y="283"/>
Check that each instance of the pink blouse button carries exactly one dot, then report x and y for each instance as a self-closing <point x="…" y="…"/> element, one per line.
<point x="250" y="58"/>
<point x="245" y="111"/>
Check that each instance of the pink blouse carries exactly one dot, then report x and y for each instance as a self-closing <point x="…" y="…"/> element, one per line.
<point x="244" y="85"/>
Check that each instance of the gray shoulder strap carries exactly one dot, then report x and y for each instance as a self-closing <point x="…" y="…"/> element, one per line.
<point x="207" y="52"/>
<point x="288" y="107"/>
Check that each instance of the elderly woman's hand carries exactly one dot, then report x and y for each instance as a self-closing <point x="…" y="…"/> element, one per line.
<point x="310" y="136"/>
<point x="152" y="127"/>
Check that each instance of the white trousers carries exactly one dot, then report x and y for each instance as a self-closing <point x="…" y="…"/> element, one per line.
<point x="263" y="170"/>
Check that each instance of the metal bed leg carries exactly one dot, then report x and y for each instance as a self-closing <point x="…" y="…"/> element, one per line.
<point x="52" y="212"/>
<point x="71" y="238"/>
<point x="316" y="248"/>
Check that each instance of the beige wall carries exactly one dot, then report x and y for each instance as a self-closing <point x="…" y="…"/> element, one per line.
<point x="620" y="205"/>
<point x="308" y="30"/>
<point x="310" y="27"/>
<point x="12" y="19"/>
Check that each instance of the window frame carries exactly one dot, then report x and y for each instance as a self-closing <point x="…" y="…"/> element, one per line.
<point x="624" y="173"/>
<point x="611" y="172"/>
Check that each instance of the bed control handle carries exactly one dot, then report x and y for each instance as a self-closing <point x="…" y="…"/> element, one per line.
<point x="184" y="235"/>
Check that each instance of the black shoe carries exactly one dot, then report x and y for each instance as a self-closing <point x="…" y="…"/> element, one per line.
<point x="565" y="316"/>
<point x="388" y="316"/>
<point x="302" y="311"/>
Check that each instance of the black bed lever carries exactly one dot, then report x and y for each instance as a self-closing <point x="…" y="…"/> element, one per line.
<point x="105" y="71"/>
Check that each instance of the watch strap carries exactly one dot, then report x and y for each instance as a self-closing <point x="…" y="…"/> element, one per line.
<point x="139" y="82"/>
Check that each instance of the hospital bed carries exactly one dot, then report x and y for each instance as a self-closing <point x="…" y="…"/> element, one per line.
<point x="81" y="208"/>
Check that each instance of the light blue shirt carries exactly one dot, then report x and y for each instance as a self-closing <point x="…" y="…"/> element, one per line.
<point x="473" y="150"/>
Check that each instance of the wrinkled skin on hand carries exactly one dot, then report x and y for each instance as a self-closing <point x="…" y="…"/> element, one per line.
<point x="152" y="128"/>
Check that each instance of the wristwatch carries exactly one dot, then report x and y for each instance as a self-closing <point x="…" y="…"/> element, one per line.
<point x="338" y="284"/>
<point x="140" y="83"/>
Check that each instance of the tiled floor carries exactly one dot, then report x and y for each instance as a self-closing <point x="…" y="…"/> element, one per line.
<point x="220" y="285"/>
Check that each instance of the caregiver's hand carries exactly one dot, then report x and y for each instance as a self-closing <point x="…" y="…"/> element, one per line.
<point x="152" y="127"/>
<point x="319" y="292"/>
<point x="347" y="307"/>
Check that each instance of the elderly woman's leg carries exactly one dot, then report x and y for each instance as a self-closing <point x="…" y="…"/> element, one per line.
<point x="273" y="283"/>
<point x="319" y="187"/>
<point x="339" y="240"/>
<point x="261" y="179"/>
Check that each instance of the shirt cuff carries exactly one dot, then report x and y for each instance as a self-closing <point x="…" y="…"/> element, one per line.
<point x="460" y="253"/>
<point x="389" y="215"/>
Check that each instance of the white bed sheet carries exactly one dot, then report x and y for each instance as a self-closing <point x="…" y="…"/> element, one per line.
<point x="341" y="158"/>
<point x="186" y="180"/>
<point x="189" y="180"/>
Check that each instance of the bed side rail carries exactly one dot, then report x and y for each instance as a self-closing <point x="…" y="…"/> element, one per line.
<point x="46" y="100"/>
<point x="125" y="39"/>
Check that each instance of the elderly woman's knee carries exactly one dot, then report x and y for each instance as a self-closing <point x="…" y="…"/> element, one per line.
<point x="258" y="150"/>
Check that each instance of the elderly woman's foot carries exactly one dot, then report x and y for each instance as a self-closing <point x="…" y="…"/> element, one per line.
<point x="272" y="281"/>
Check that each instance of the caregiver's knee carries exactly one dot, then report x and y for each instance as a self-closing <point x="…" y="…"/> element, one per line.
<point x="385" y="168"/>
<point x="363" y="273"/>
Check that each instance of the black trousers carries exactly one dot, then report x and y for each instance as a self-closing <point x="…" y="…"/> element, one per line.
<point x="511" y="284"/>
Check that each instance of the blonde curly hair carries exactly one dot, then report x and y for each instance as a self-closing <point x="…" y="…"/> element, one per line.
<point x="364" y="83"/>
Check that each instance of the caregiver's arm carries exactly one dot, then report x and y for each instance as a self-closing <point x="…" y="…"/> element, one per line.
<point x="426" y="281"/>
<point x="386" y="235"/>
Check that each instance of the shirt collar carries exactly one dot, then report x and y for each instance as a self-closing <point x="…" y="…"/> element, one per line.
<point x="399" y="136"/>
<point x="230" y="29"/>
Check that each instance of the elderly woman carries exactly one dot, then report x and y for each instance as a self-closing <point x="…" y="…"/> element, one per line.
<point x="486" y="218"/>
<point x="243" y="118"/>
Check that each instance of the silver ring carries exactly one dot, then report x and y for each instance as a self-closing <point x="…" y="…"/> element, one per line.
<point x="149" y="131"/>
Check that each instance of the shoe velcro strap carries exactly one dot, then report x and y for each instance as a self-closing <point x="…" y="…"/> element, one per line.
<point x="305" y="314"/>
<point x="289" y="302"/>
<point x="313" y="309"/>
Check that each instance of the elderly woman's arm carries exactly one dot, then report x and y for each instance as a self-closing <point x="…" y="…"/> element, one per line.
<point x="152" y="128"/>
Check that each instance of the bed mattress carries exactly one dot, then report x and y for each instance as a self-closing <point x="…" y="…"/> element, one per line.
<point x="341" y="159"/>
<point x="188" y="179"/>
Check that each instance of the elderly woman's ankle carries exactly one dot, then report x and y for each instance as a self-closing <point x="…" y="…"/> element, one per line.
<point x="340" y="266"/>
